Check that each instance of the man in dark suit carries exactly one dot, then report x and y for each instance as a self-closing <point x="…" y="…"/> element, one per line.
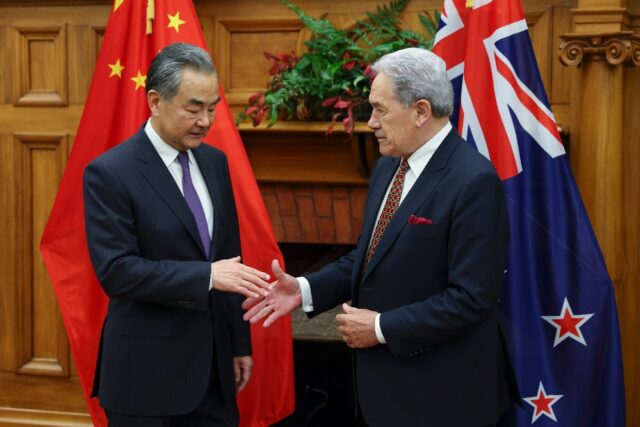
<point x="425" y="276"/>
<point x="163" y="238"/>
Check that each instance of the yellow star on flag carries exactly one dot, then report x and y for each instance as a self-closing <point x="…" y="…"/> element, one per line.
<point x="175" y="22"/>
<point x="117" y="4"/>
<point x="116" y="69"/>
<point x="140" y="80"/>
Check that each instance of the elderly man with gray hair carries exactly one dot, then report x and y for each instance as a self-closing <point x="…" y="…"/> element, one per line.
<point x="425" y="277"/>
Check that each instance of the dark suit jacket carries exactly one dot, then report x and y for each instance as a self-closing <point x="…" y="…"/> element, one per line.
<point x="437" y="287"/>
<point x="165" y="335"/>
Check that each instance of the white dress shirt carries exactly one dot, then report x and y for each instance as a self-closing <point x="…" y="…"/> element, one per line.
<point x="169" y="156"/>
<point x="417" y="162"/>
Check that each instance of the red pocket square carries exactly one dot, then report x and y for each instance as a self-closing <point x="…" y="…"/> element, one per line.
<point x="419" y="220"/>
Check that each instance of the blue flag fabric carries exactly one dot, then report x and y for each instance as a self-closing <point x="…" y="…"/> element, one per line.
<point x="558" y="308"/>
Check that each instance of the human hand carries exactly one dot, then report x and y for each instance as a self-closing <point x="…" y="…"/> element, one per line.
<point x="357" y="326"/>
<point x="242" y="367"/>
<point x="230" y="275"/>
<point x="283" y="298"/>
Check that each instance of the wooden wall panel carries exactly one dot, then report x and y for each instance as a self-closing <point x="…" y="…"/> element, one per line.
<point x="238" y="52"/>
<point x="40" y="161"/>
<point x="41" y="66"/>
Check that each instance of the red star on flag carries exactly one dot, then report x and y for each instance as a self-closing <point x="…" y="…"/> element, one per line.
<point x="542" y="404"/>
<point x="567" y="324"/>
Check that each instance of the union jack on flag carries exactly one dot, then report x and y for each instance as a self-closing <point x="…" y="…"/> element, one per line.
<point x="558" y="309"/>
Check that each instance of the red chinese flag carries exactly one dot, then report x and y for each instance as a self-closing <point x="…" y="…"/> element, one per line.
<point x="115" y="109"/>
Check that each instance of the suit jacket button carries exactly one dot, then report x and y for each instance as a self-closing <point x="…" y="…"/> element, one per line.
<point x="208" y="312"/>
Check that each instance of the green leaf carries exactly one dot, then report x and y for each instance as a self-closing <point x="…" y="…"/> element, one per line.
<point x="303" y="63"/>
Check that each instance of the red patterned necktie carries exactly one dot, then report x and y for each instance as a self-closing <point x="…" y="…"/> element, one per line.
<point x="390" y="207"/>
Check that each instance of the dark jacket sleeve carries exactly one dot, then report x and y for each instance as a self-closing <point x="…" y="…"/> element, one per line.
<point x="331" y="285"/>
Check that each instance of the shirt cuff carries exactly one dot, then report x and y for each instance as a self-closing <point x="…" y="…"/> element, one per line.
<point x="305" y="292"/>
<point x="211" y="279"/>
<point x="379" y="335"/>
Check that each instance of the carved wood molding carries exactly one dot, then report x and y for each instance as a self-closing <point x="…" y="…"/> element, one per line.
<point x="617" y="48"/>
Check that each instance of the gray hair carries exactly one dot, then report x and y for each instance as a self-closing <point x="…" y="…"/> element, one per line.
<point x="418" y="74"/>
<point x="165" y="72"/>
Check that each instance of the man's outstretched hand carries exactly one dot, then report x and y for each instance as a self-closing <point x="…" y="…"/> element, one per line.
<point x="283" y="298"/>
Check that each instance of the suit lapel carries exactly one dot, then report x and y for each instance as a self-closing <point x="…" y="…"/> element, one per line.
<point x="213" y="179"/>
<point x="428" y="180"/>
<point x="157" y="174"/>
<point x="376" y="195"/>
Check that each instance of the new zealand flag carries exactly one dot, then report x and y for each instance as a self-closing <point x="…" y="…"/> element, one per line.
<point x="558" y="305"/>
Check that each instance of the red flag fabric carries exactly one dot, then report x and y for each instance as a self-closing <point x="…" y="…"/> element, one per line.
<point x="115" y="109"/>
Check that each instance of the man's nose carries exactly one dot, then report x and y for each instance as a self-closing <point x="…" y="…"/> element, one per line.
<point x="373" y="122"/>
<point x="205" y="119"/>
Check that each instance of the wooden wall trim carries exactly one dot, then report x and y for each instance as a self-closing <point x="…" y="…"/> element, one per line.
<point x="601" y="19"/>
<point x="12" y="417"/>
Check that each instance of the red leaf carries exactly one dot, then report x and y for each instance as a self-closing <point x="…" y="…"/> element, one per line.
<point x="347" y="122"/>
<point x="255" y="97"/>
<point x="270" y="56"/>
<point x="349" y="65"/>
<point x="329" y="101"/>
<point x="251" y="109"/>
<point x="259" y="115"/>
<point x="341" y="103"/>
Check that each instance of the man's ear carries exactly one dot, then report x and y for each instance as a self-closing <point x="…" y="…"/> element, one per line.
<point x="154" y="98"/>
<point x="423" y="112"/>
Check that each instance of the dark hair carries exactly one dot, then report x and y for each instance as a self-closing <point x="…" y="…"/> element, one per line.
<point x="165" y="72"/>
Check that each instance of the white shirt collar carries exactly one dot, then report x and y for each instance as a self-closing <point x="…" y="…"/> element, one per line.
<point x="167" y="153"/>
<point x="419" y="159"/>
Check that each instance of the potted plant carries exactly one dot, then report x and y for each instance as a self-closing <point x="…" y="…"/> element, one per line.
<point x="331" y="81"/>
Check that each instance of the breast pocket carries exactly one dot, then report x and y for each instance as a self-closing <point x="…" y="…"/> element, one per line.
<point x="420" y="230"/>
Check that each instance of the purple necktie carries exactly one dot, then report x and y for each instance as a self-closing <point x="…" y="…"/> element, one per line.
<point x="193" y="201"/>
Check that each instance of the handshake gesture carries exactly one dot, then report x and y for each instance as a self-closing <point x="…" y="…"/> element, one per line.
<point x="357" y="326"/>
<point x="282" y="299"/>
